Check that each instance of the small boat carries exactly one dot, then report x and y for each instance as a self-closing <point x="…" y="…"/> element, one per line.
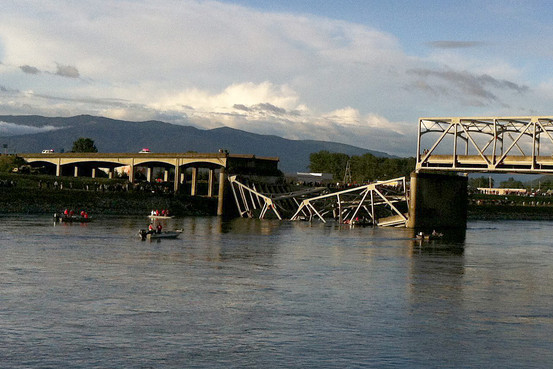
<point x="71" y="219"/>
<point x="427" y="237"/>
<point x="160" y="216"/>
<point x="154" y="236"/>
<point x="361" y="222"/>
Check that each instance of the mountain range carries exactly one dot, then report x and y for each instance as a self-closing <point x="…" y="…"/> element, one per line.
<point x="38" y="133"/>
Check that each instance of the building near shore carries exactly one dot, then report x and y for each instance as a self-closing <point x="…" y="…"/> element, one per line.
<point x="502" y="191"/>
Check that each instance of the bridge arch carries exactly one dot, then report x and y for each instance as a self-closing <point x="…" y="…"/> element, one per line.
<point x="178" y="167"/>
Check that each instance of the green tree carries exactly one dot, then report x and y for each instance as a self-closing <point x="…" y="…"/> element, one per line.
<point x="8" y="162"/>
<point x="511" y="183"/>
<point x="84" y="145"/>
<point x="329" y="162"/>
<point x="364" y="168"/>
<point x="481" y="182"/>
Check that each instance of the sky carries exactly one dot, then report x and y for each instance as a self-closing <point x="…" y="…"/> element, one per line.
<point x="359" y="72"/>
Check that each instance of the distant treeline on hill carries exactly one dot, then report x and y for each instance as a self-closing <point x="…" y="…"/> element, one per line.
<point x="364" y="168"/>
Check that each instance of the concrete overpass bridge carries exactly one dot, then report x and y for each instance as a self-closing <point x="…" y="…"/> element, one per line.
<point x="175" y="167"/>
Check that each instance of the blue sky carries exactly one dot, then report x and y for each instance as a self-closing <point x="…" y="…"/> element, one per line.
<point x="357" y="72"/>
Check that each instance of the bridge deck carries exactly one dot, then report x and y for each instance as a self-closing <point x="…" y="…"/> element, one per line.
<point x="478" y="163"/>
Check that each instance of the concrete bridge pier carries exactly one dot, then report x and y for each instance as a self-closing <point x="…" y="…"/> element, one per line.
<point x="221" y="192"/>
<point x="194" y="181"/>
<point x="438" y="201"/>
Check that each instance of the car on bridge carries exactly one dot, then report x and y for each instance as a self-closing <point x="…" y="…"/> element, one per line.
<point x="144" y="151"/>
<point x="48" y="151"/>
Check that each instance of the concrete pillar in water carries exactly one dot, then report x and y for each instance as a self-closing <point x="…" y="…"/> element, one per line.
<point x="210" y="183"/>
<point x="438" y="201"/>
<point x="193" y="182"/>
<point x="222" y="185"/>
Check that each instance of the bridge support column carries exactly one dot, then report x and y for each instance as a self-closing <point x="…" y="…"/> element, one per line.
<point x="110" y="173"/>
<point x="131" y="173"/>
<point x="93" y="172"/>
<point x="149" y="174"/>
<point x="194" y="181"/>
<point x="210" y="183"/>
<point x="76" y="171"/>
<point x="177" y="179"/>
<point x="222" y="186"/>
<point x="438" y="201"/>
<point x="166" y="175"/>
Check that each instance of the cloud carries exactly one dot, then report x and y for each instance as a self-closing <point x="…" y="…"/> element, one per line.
<point x="29" y="70"/>
<point x="455" y="44"/>
<point x="12" y="129"/>
<point x="210" y="63"/>
<point x="67" y="71"/>
<point x="454" y="83"/>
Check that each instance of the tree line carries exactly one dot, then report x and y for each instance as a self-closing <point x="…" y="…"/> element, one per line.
<point x="364" y="168"/>
<point x="543" y="183"/>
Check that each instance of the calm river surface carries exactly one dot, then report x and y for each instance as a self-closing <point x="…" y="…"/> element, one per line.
<point x="263" y="294"/>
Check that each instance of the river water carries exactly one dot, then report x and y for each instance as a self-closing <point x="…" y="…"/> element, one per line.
<point x="264" y="294"/>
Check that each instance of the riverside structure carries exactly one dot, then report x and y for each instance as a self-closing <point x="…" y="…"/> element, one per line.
<point x="176" y="167"/>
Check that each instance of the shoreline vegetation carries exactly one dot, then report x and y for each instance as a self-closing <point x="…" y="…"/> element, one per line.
<point x="42" y="194"/>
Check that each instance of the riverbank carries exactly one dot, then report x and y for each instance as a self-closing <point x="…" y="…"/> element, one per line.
<point x="510" y="212"/>
<point x="38" y="195"/>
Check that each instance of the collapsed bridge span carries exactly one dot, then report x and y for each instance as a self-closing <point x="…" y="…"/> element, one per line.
<point x="383" y="203"/>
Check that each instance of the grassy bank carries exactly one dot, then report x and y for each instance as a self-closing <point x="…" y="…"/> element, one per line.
<point x="510" y="212"/>
<point x="38" y="194"/>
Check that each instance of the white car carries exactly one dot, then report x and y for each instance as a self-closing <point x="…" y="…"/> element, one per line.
<point x="144" y="150"/>
<point x="49" y="151"/>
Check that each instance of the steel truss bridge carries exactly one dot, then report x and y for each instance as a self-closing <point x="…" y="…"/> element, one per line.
<point x="381" y="203"/>
<point x="486" y="144"/>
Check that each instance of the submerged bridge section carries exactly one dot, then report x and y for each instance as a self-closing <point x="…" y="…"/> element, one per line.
<point x="382" y="203"/>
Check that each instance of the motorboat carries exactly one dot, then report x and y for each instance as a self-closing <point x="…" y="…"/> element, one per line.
<point x="144" y="234"/>
<point x="427" y="237"/>
<point x="71" y="218"/>
<point x="160" y="216"/>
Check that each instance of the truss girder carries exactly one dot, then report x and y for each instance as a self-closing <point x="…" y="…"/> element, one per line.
<point x="358" y="201"/>
<point x="249" y="198"/>
<point x="491" y="144"/>
<point x="345" y="205"/>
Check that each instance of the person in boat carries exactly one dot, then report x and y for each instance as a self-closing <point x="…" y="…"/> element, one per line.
<point x="157" y="212"/>
<point x="151" y="229"/>
<point x="163" y="212"/>
<point x="85" y="215"/>
<point x="153" y="212"/>
<point x="159" y="228"/>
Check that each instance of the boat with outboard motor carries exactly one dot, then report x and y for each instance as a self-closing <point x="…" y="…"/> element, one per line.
<point x="160" y="216"/>
<point x="71" y="218"/>
<point x="428" y="237"/>
<point x="144" y="234"/>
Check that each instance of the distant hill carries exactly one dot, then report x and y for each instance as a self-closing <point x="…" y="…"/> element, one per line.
<point x="111" y="135"/>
